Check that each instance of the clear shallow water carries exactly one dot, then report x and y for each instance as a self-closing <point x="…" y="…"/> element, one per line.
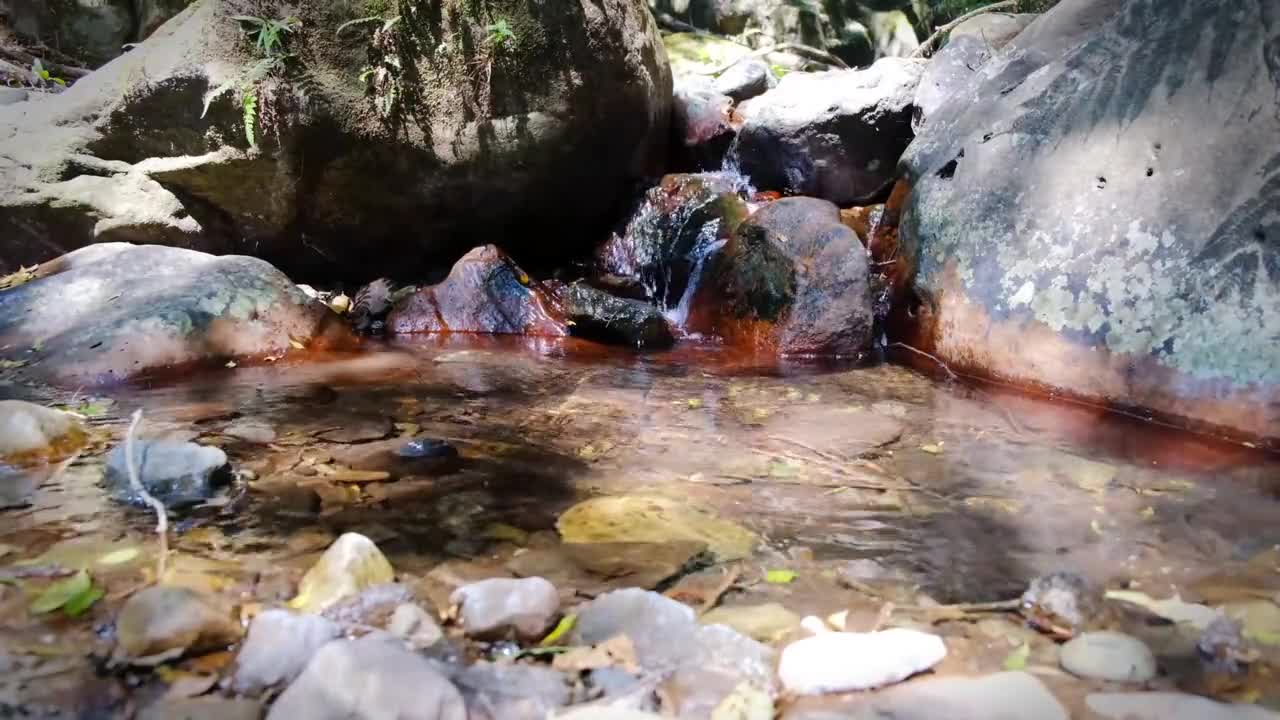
<point x="962" y="493"/>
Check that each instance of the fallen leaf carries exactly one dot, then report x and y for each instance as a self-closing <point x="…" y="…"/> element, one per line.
<point x="1017" y="660"/>
<point x="12" y="364"/>
<point x="933" y="448"/>
<point x="563" y="627"/>
<point x="119" y="557"/>
<point x="746" y="702"/>
<point x="503" y="531"/>
<point x="618" y="651"/>
<point x="61" y="592"/>
<point x="780" y="577"/>
<point x="21" y="275"/>
<point x="76" y="606"/>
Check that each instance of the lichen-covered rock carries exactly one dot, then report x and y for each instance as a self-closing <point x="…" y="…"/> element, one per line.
<point x="969" y="46"/>
<point x="485" y="293"/>
<point x="352" y="176"/>
<point x="1095" y="218"/>
<point x="835" y="135"/>
<point x="175" y="473"/>
<point x="677" y="224"/>
<point x="793" y="279"/>
<point x="109" y="312"/>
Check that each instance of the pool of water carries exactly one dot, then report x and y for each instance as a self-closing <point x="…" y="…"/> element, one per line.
<point x="960" y="492"/>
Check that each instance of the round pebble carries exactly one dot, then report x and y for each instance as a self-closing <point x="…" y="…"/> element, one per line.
<point x="1110" y="656"/>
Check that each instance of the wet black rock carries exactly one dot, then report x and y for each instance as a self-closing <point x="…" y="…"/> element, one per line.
<point x="175" y="473"/>
<point x="597" y="315"/>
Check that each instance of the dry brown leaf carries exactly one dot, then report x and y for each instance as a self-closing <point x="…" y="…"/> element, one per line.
<point x="618" y="651"/>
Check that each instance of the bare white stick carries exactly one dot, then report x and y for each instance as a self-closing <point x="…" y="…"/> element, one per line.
<point x="162" y="518"/>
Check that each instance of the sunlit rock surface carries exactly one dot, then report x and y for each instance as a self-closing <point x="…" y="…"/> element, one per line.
<point x="1095" y="213"/>
<point x="111" y="311"/>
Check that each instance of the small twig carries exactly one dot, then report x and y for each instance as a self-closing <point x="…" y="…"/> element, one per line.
<point x="827" y="455"/>
<point x="812" y="53"/>
<point x="882" y="617"/>
<point x="926" y="47"/>
<point x="162" y="517"/>
<point x="718" y="592"/>
<point x="922" y="353"/>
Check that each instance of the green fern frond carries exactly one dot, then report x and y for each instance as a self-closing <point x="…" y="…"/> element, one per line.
<point x="251" y="117"/>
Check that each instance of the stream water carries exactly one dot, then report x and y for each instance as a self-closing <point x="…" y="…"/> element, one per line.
<point x="962" y="493"/>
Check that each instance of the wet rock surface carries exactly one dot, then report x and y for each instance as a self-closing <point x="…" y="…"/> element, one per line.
<point x="1110" y="656"/>
<point x="515" y="692"/>
<point x="165" y="622"/>
<point x="174" y="473"/>
<point x="35" y="442"/>
<point x="835" y="135"/>
<point x="677" y="223"/>
<point x="485" y="293"/>
<point x="600" y="316"/>
<point x="367" y="679"/>
<point x="792" y="276"/>
<point x="111" y="311"/>
<point x="277" y="649"/>
<point x="1143" y="295"/>
<point x="493" y="609"/>
<point x="702" y="123"/>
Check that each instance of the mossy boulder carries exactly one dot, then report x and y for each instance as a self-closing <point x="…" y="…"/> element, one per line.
<point x="387" y="146"/>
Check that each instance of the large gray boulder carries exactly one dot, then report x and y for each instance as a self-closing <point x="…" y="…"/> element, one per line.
<point x="109" y="312"/>
<point x="835" y="135"/>
<point x="382" y="149"/>
<point x="1098" y="212"/>
<point x="91" y="32"/>
<point x="969" y="46"/>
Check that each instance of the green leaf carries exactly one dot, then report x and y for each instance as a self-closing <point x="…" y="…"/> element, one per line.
<point x="60" y="81"/>
<point x="780" y="577"/>
<point x="76" y="606"/>
<point x="1017" y="660"/>
<point x="61" y="592"/>
<point x="561" y="629"/>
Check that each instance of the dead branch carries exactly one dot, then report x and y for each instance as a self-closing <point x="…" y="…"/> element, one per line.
<point x="162" y="517"/>
<point x="926" y="47"/>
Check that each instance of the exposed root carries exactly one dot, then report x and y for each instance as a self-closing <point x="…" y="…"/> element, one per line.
<point x="730" y="577"/>
<point x="926" y="47"/>
<point x="162" y="517"/>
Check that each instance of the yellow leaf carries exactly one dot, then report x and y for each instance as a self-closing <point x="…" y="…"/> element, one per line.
<point x="119" y="557"/>
<point x="932" y="448"/>
<point x="561" y="629"/>
<point x="780" y="577"/>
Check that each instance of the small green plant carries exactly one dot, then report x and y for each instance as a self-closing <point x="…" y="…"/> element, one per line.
<point x="500" y="33"/>
<point x="43" y="78"/>
<point x="268" y="38"/>
<point x="268" y="35"/>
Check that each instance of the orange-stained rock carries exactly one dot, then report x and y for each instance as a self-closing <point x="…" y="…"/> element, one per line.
<point x="485" y="292"/>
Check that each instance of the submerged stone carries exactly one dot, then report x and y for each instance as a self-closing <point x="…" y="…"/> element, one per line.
<point x="34" y="442"/>
<point x="655" y="519"/>
<point x="598" y="315"/>
<point x="1110" y="656"/>
<point x="175" y="473"/>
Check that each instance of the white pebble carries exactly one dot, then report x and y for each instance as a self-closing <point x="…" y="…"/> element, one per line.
<point x="841" y="661"/>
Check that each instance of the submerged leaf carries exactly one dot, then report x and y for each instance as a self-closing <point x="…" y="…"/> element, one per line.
<point x="76" y="606"/>
<point x="61" y="592"/>
<point x="119" y="557"/>
<point x="780" y="577"/>
<point x="1017" y="660"/>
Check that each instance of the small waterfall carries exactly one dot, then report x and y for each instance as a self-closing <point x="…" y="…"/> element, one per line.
<point x="709" y="243"/>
